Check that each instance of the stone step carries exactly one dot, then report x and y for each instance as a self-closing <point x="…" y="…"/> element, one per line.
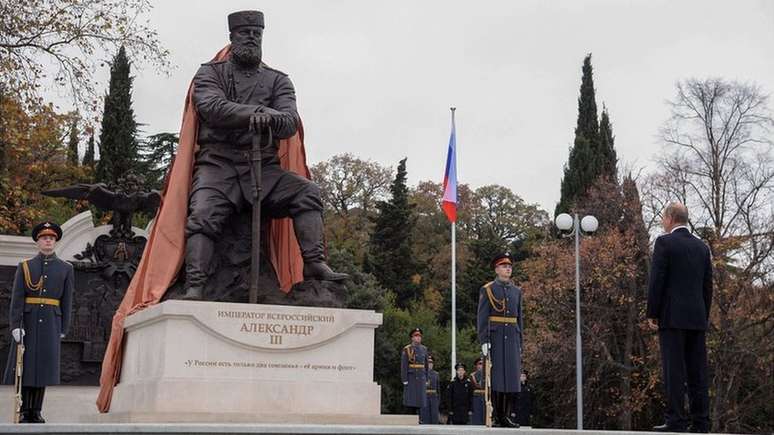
<point x="279" y="429"/>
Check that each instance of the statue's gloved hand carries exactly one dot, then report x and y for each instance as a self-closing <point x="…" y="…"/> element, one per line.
<point x="17" y="334"/>
<point x="485" y="349"/>
<point x="260" y="121"/>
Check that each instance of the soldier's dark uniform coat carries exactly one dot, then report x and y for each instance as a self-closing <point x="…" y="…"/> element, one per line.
<point x="43" y="323"/>
<point x="429" y="413"/>
<point x="479" y="399"/>
<point x="505" y="339"/>
<point x="413" y="369"/>
<point x="460" y="400"/>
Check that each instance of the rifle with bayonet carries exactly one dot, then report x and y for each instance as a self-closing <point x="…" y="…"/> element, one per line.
<point x="17" y="378"/>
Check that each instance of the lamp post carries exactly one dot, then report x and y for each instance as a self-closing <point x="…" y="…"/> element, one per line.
<point x="589" y="224"/>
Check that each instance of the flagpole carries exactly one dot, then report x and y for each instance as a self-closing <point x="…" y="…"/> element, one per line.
<point x="453" y="279"/>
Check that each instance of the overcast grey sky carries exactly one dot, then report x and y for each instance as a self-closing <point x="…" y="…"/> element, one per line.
<point x="377" y="78"/>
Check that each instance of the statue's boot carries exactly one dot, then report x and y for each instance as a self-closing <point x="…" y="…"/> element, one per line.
<point x="198" y="259"/>
<point x="309" y="232"/>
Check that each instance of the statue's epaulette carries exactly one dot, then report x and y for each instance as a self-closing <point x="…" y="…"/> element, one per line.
<point x="263" y="65"/>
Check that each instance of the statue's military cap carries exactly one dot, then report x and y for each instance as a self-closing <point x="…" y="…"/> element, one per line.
<point x="46" y="228"/>
<point x="244" y="18"/>
<point x="504" y="258"/>
<point x="415" y="331"/>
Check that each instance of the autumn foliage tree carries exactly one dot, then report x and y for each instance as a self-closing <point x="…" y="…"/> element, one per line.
<point x="58" y="43"/>
<point x="620" y="364"/>
<point x="37" y="159"/>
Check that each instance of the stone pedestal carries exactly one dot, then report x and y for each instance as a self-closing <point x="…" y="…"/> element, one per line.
<point x="210" y="361"/>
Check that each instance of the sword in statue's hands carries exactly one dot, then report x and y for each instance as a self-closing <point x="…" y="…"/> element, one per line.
<point x="260" y="128"/>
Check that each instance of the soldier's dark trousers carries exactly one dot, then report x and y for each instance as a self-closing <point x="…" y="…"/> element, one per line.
<point x="684" y="361"/>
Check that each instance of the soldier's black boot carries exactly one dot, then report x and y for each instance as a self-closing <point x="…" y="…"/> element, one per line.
<point x="511" y="407"/>
<point x="37" y="405"/>
<point x="198" y="261"/>
<point x="497" y="415"/>
<point x="26" y="408"/>
<point x="308" y="227"/>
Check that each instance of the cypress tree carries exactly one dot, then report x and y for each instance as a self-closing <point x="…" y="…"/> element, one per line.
<point x="390" y="256"/>
<point x="582" y="168"/>
<point x="118" y="138"/>
<point x="608" y="159"/>
<point x="72" y="144"/>
<point x="88" y="156"/>
<point x="157" y="153"/>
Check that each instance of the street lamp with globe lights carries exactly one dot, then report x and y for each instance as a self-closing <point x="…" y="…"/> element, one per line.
<point x="572" y="226"/>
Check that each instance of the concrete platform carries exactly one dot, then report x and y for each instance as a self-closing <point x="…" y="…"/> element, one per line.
<point x="252" y="419"/>
<point x="276" y="429"/>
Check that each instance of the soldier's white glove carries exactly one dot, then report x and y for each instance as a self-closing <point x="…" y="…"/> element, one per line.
<point x="61" y="335"/>
<point x="485" y="349"/>
<point x="405" y="383"/>
<point x="17" y="334"/>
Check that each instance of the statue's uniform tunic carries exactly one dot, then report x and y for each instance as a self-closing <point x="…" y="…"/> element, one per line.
<point x="226" y="97"/>
<point x="479" y="398"/>
<point x="429" y="413"/>
<point x="413" y="369"/>
<point x="500" y="324"/>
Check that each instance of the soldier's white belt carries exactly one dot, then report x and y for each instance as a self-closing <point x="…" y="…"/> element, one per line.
<point x="503" y="319"/>
<point x="479" y="391"/>
<point x="432" y="392"/>
<point x="416" y="366"/>
<point x="45" y="301"/>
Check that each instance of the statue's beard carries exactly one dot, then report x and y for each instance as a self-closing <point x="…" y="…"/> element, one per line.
<point x="246" y="55"/>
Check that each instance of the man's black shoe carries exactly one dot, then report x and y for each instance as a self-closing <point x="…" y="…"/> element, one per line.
<point x="667" y="428"/>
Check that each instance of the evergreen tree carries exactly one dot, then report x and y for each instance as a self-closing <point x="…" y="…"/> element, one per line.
<point x="390" y="258"/>
<point x="157" y="152"/>
<point x="72" y="144"/>
<point x="118" y="138"/>
<point x="88" y="156"/>
<point x="583" y="167"/>
<point x="607" y="155"/>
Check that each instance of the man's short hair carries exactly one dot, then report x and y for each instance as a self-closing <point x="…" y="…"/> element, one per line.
<point x="677" y="212"/>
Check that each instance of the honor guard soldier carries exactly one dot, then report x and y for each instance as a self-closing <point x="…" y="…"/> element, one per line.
<point x="41" y="300"/>
<point x="460" y="397"/>
<point x="429" y="414"/>
<point x="500" y="325"/>
<point x="413" y="372"/>
<point x="477" y="380"/>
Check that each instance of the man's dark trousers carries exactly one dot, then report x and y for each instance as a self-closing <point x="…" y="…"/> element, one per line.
<point x="684" y="362"/>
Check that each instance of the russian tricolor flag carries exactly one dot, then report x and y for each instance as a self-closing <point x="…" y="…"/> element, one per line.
<point x="449" y="204"/>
